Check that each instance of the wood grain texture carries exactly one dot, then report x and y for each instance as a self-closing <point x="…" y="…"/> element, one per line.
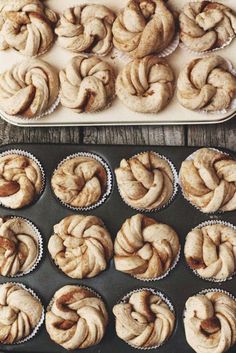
<point x="221" y="135"/>
<point x="134" y="135"/>
<point x="14" y="134"/>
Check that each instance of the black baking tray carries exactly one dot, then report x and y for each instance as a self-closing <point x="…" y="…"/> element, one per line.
<point x="111" y="284"/>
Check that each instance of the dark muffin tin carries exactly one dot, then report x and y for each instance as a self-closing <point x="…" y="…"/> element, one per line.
<point x="111" y="284"/>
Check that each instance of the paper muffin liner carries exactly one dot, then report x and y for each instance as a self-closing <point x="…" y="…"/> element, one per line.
<point x="43" y="177"/>
<point x="45" y="114"/>
<point x="191" y="157"/>
<point x="204" y="224"/>
<point x="37" y="327"/>
<point x="126" y="58"/>
<point x="175" y="186"/>
<point x="165" y="299"/>
<point x="165" y="274"/>
<point x="109" y="186"/>
<point x="40" y="247"/>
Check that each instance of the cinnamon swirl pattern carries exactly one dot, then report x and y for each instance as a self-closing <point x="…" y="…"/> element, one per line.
<point x="145" y="181"/>
<point x="210" y="322"/>
<point x="208" y="180"/>
<point x="146" y="85"/>
<point x="19" y="246"/>
<point x="87" y="84"/>
<point x="81" y="246"/>
<point x="29" y="88"/>
<point x="20" y="313"/>
<point x="77" y="318"/>
<point x="86" y="28"/>
<point x="144" y="28"/>
<point x="211" y="251"/>
<point x="80" y="181"/>
<point x="207" y="25"/>
<point x="27" y="26"/>
<point x="21" y="180"/>
<point x="144" y="320"/>
<point x="145" y="248"/>
<point x="208" y="84"/>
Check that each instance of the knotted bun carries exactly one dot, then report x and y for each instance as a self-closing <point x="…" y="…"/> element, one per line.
<point x="86" y="28"/>
<point x="20" y="180"/>
<point x="146" y="85"/>
<point x="210" y="322"/>
<point x="87" y="84"/>
<point x="77" y="318"/>
<point x="29" y="88"/>
<point x="27" y="26"/>
<point x="80" y="181"/>
<point x="81" y="246"/>
<point x="20" y="313"/>
<point x="144" y="27"/>
<point x="211" y="251"/>
<point x="209" y="180"/>
<point x="144" y="320"/>
<point x="145" y="181"/>
<point x="206" y="25"/>
<point x="145" y="248"/>
<point x="19" y="246"/>
<point x="206" y="83"/>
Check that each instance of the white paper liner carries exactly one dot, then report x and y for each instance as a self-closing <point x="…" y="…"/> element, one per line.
<point x="37" y="327"/>
<point x="109" y="186"/>
<point x="164" y="298"/>
<point x="175" y="186"/>
<point x="204" y="224"/>
<point x="191" y="157"/>
<point x="165" y="274"/>
<point x="47" y="112"/>
<point x="85" y="277"/>
<point x="40" y="247"/>
<point x="43" y="178"/>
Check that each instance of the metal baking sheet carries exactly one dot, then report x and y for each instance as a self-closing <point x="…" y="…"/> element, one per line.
<point x="118" y="114"/>
<point x="111" y="284"/>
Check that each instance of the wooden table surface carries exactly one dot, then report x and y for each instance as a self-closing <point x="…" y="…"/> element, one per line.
<point x="222" y="135"/>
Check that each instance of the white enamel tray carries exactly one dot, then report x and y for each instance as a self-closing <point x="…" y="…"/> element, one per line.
<point x="118" y="114"/>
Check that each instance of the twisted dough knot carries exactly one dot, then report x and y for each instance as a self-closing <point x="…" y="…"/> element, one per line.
<point x="145" y="181"/>
<point x="20" y="180"/>
<point x="27" y="26"/>
<point x="87" y="84"/>
<point x="211" y="251"/>
<point x="20" y="313"/>
<point x="206" y="25"/>
<point x="86" y="29"/>
<point x="145" y="248"/>
<point x="145" y="320"/>
<point x="210" y="322"/>
<point x="77" y="318"/>
<point x="81" y="246"/>
<point x="18" y="246"/>
<point x="80" y="181"/>
<point x="209" y="180"/>
<point x="206" y="84"/>
<point x="146" y="85"/>
<point x="144" y="27"/>
<point x="29" y="88"/>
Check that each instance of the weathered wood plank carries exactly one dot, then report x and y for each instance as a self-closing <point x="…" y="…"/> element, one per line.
<point x="14" y="134"/>
<point x="160" y="135"/>
<point x="222" y="135"/>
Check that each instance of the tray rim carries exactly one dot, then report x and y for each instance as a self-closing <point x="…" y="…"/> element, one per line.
<point x="98" y="124"/>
